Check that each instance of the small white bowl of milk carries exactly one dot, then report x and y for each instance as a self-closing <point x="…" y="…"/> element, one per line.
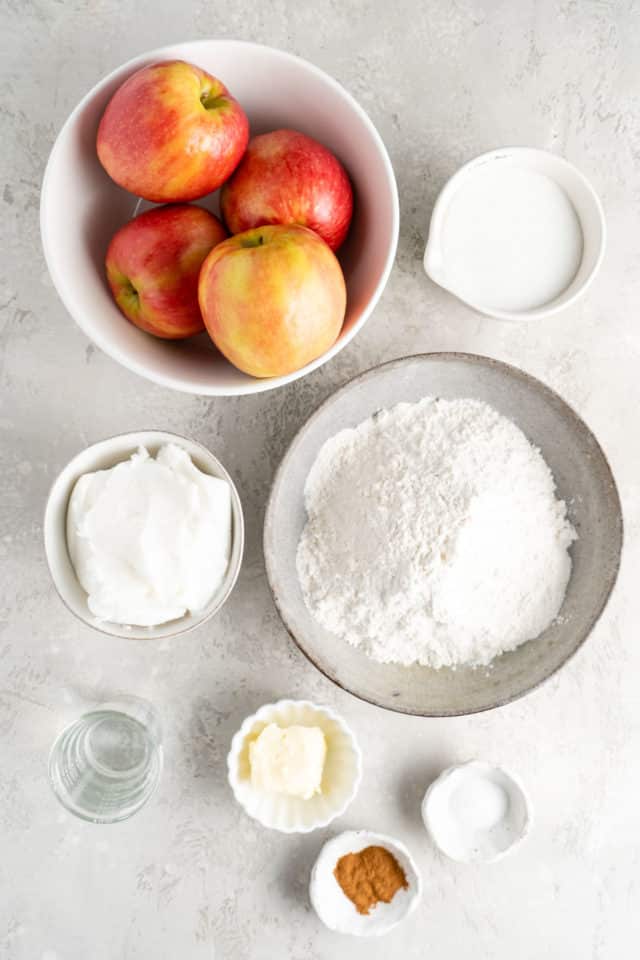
<point x="516" y="234"/>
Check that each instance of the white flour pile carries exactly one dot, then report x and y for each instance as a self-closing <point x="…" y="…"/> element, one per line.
<point x="434" y="535"/>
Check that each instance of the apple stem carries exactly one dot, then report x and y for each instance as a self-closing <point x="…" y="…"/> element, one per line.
<point x="210" y="102"/>
<point x="253" y="241"/>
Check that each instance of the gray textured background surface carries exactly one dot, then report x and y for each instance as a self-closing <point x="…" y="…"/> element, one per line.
<point x="191" y="877"/>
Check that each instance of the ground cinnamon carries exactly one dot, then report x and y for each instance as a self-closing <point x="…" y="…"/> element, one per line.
<point x="371" y="876"/>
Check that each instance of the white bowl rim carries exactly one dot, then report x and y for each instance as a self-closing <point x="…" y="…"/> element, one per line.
<point x="238" y="519"/>
<point x="537" y="313"/>
<point x="262" y="713"/>
<point x="385" y="840"/>
<point x="435" y="785"/>
<point x="258" y="385"/>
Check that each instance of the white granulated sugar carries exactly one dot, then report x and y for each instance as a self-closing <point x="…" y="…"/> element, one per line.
<point x="434" y="535"/>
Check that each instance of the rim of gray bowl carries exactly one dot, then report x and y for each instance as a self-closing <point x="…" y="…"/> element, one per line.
<point x="268" y="534"/>
<point x="235" y="497"/>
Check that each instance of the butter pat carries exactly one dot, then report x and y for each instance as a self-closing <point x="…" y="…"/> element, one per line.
<point x="150" y="538"/>
<point x="288" y="760"/>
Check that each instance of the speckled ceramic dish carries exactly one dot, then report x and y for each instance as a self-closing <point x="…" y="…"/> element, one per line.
<point x="583" y="479"/>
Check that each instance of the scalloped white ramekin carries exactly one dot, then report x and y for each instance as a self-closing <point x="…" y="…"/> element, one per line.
<point x="340" y="780"/>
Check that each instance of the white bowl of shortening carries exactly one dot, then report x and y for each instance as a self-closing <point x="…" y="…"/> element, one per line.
<point x="105" y="455"/>
<point x="517" y="234"/>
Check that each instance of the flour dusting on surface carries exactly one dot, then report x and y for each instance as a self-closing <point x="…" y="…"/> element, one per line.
<point x="434" y="535"/>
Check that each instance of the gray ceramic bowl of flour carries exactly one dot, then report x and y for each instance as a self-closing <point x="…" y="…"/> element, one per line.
<point x="584" y="480"/>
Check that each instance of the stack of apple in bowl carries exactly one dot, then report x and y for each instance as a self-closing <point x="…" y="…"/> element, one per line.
<point x="271" y="295"/>
<point x="169" y="132"/>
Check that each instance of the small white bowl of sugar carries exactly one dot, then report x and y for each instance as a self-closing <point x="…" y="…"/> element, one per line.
<point x="476" y="812"/>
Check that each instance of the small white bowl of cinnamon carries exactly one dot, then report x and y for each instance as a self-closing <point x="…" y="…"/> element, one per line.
<point x="364" y="883"/>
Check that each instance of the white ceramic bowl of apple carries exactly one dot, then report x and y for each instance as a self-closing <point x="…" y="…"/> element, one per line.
<point x="102" y="456"/>
<point x="81" y="208"/>
<point x="340" y="779"/>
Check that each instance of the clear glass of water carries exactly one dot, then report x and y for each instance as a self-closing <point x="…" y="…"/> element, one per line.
<point x="107" y="763"/>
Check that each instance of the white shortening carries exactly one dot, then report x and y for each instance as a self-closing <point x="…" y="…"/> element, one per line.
<point x="149" y="539"/>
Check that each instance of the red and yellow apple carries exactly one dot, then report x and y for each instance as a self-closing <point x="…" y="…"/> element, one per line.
<point x="273" y="299"/>
<point x="172" y="132"/>
<point x="286" y="177"/>
<point x="153" y="264"/>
